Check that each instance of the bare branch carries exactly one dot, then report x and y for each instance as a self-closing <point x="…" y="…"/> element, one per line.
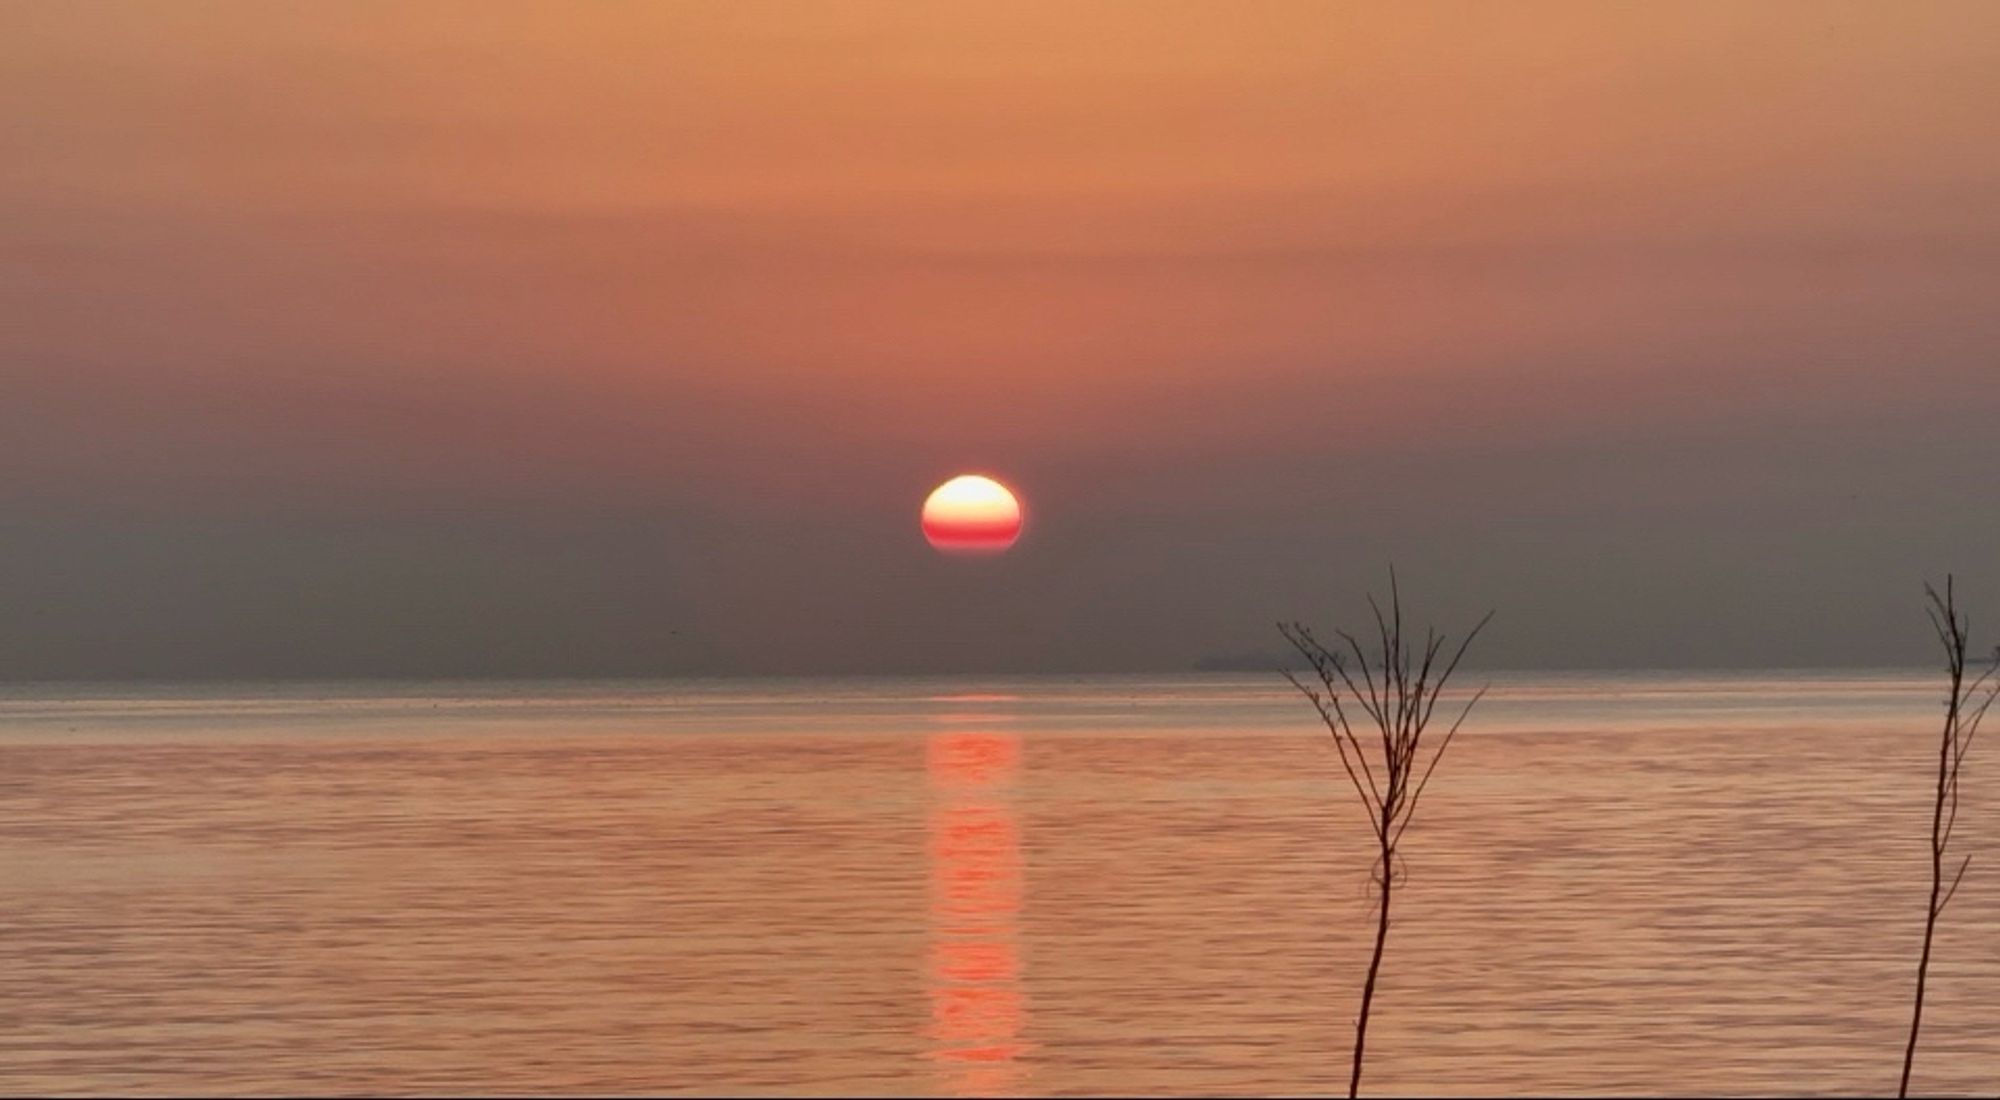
<point x="1964" y="710"/>
<point x="1955" y="880"/>
<point x="1443" y="744"/>
<point x="1396" y="682"/>
<point x="1336" y="723"/>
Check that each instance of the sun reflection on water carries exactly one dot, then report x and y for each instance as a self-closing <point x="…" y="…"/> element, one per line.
<point x="977" y="1007"/>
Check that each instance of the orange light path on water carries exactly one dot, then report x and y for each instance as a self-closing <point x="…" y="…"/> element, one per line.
<point x="977" y="1007"/>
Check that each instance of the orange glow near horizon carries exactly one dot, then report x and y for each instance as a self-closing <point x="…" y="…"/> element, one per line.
<point x="972" y="514"/>
<point x="1040" y="228"/>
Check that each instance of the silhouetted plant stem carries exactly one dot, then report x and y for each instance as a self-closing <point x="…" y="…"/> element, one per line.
<point x="1368" y="987"/>
<point x="1964" y="708"/>
<point x="1396" y="684"/>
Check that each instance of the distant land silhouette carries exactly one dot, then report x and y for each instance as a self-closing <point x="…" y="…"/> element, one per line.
<point x="1268" y="660"/>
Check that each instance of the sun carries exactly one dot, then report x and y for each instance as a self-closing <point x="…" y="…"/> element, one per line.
<point x="972" y="514"/>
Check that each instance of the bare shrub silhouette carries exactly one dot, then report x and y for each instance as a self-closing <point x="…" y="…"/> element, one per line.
<point x="1965" y="705"/>
<point x="1394" y="683"/>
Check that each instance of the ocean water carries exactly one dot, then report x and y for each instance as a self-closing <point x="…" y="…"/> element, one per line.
<point x="1618" y="884"/>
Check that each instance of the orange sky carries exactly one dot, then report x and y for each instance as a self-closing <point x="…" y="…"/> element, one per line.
<point x="1169" y="264"/>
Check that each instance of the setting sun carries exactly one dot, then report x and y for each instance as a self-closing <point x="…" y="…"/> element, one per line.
<point x="971" y="514"/>
<point x="473" y="443"/>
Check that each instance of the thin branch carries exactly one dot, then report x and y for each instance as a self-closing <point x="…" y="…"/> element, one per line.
<point x="1443" y="744"/>
<point x="1964" y="710"/>
<point x="1396" y="683"/>
<point x="1955" y="880"/>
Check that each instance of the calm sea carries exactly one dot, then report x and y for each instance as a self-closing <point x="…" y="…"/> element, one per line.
<point x="1635" y="883"/>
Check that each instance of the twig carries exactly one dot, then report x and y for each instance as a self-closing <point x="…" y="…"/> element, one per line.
<point x="1396" y="685"/>
<point x="1966" y="704"/>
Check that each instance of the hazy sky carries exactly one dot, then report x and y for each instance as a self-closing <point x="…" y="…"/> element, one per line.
<point x="492" y="338"/>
